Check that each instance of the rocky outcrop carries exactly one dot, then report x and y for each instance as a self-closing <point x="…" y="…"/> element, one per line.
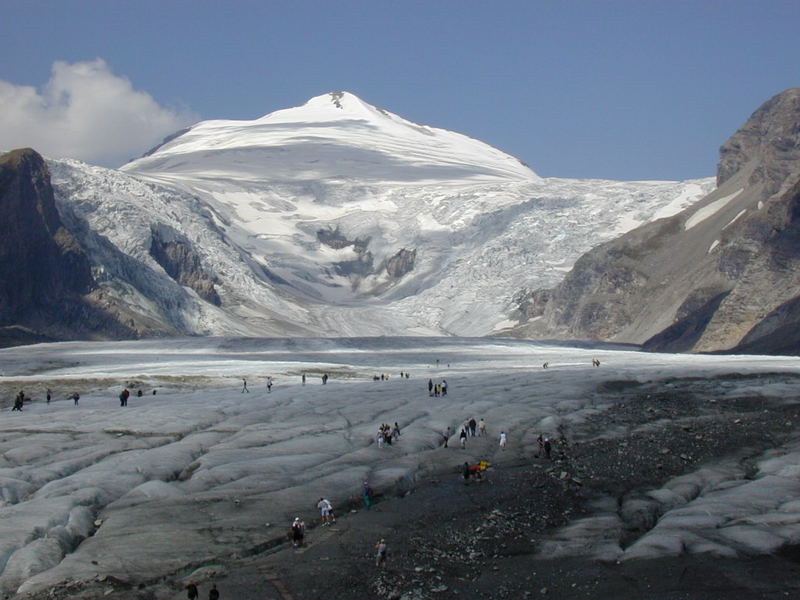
<point x="401" y="263"/>
<point x="723" y="275"/>
<point x="363" y="263"/>
<point x="178" y="258"/>
<point x="45" y="274"/>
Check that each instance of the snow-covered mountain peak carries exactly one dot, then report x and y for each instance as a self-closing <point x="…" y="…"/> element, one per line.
<point x="329" y="107"/>
<point x="343" y="218"/>
<point x="333" y="137"/>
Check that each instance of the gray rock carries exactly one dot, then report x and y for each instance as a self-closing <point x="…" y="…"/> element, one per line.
<point x="721" y="276"/>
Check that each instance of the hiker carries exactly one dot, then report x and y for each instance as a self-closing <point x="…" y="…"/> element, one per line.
<point x="430" y="387"/>
<point x="540" y="441"/>
<point x="139" y="393"/>
<point x="18" y="401"/>
<point x="368" y="495"/>
<point x="213" y="593"/>
<point x="466" y="472"/>
<point x="503" y="440"/>
<point x="49" y="395"/>
<point x="191" y="591"/>
<point x="123" y="397"/>
<point x="463" y="437"/>
<point x="380" y="555"/>
<point x="446" y="436"/>
<point x="472" y="426"/>
<point x="244" y="386"/>
<point x="326" y="511"/>
<point x="482" y="427"/>
<point x="269" y="385"/>
<point x="298" y="531"/>
<point x="444" y="387"/>
<point x="75" y="397"/>
<point x="303" y="378"/>
<point x="547" y="448"/>
<point x="324" y="378"/>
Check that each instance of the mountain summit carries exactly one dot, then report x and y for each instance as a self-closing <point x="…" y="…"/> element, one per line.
<point x="333" y="137"/>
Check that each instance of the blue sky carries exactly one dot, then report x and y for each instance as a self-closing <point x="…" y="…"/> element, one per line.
<point x="610" y="89"/>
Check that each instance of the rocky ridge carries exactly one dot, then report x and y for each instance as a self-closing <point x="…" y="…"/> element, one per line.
<point x="720" y="276"/>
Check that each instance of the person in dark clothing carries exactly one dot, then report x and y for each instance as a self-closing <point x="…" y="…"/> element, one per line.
<point x="466" y="472"/>
<point x="213" y="593"/>
<point x="49" y="395"/>
<point x="298" y="531"/>
<point x="123" y="397"/>
<point x="139" y="393"/>
<point x="473" y="425"/>
<point x="547" y="448"/>
<point x="18" y="401"/>
<point x="191" y="591"/>
<point x="430" y="387"/>
<point x="75" y="397"/>
<point x="368" y="495"/>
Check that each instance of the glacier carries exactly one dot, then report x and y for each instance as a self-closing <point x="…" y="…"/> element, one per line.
<point x="338" y="218"/>
<point x="200" y="470"/>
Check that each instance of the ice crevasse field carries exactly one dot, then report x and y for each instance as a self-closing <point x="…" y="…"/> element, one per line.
<point x="202" y="470"/>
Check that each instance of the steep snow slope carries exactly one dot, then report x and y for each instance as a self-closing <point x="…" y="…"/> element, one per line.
<point x="339" y="218"/>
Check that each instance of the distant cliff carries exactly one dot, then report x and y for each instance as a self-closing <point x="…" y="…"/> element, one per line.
<point x="724" y="275"/>
<point x="45" y="274"/>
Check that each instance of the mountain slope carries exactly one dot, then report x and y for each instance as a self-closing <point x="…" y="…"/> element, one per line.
<point x="333" y="218"/>
<point x="375" y="225"/>
<point x="720" y="275"/>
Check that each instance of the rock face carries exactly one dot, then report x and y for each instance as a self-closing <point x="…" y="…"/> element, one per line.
<point x="44" y="272"/>
<point x="178" y="258"/>
<point x="721" y="276"/>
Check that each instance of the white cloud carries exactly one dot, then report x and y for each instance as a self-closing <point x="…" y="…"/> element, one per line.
<point x="86" y="112"/>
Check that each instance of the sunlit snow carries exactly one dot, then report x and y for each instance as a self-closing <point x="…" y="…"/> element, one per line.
<point x="710" y="209"/>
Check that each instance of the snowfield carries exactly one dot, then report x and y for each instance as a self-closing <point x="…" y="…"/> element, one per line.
<point x="201" y="470"/>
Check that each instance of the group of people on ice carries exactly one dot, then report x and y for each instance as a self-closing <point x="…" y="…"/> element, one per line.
<point x="437" y="389"/>
<point x="387" y="434"/>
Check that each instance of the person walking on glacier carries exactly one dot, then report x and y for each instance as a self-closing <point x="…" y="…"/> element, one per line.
<point x="326" y="511"/>
<point x="244" y="386"/>
<point x="191" y="591"/>
<point x="213" y="593"/>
